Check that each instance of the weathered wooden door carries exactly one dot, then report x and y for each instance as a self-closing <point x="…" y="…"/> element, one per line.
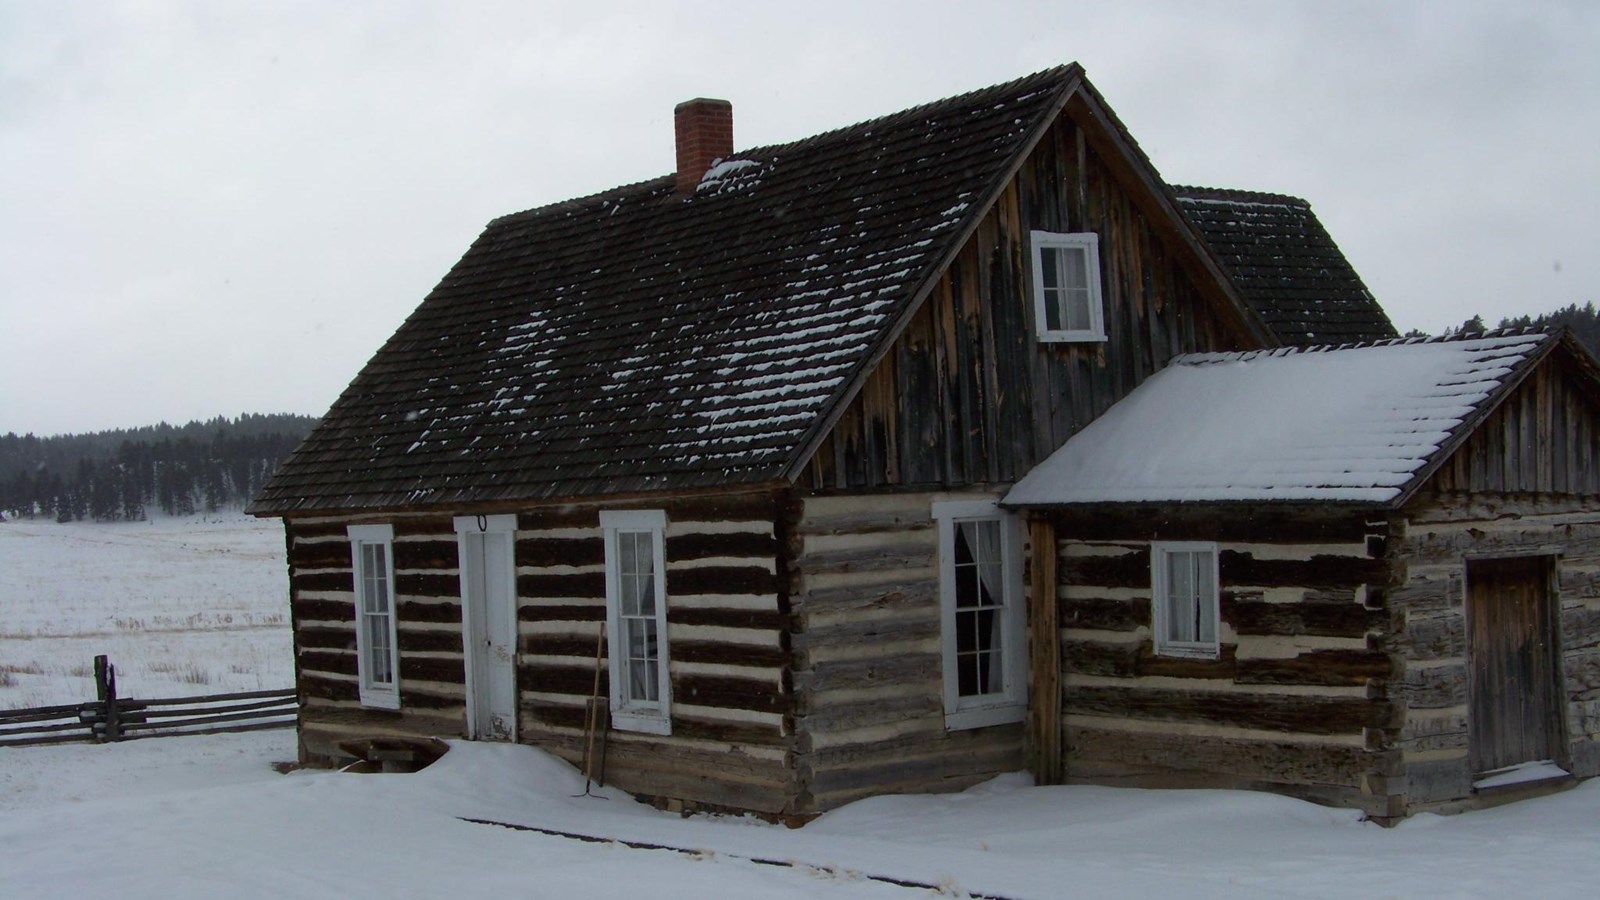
<point x="1514" y="712"/>
<point x="489" y="626"/>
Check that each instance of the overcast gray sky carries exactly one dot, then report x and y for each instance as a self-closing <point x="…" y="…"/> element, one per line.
<point x="215" y="208"/>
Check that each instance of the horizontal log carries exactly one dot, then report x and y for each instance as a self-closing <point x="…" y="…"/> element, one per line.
<point x="324" y="661"/>
<point x="311" y="685"/>
<point x="418" y="611"/>
<point x="889" y="595"/>
<point x="753" y="733"/>
<point x="437" y="554"/>
<point x="906" y="668"/>
<point x="411" y="698"/>
<point x="554" y="714"/>
<point x="725" y="692"/>
<point x="544" y="552"/>
<point x="722" y="507"/>
<point x="1443" y="637"/>
<point x="414" y="641"/>
<point x="551" y="612"/>
<point x="832" y="716"/>
<point x="877" y="558"/>
<point x="1435" y="687"/>
<point x="427" y="584"/>
<point x="884" y="633"/>
<point x="562" y="678"/>
<point x="424" y="526"/>
<point x="758" y="619"/>
<point x="1266" y="712"/>
<point x="972" y="742"/>
<point x="1267" y="761"/>
<point x="423" y="668"/>
<point x="321" y="581"/>
<point x="562" y="645"/>
<point x="323" y="610"/>
<point x="585" y="584"/>
<point x="1319" y="619"/>
<point x="1136" y="660"/>
<point x="317" y="637"/>
<point x="867" y="522"/>
<point x="723" y="653"/>
<point x="736" y="544"/>
<point x="1580" y="626"/>
<point x="1320" y="571"/>
<point x="1104" y="614"/>
<point x="721" y="580"/>
<point x="322" y="555"/>
<point x="1119" y="570"/>
<point x="1318" y="667"/>
<point x="315" y="530"/>
<point x="276" y="717"/>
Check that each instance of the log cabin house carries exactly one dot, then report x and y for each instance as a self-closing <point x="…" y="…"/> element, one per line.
<point x="770" y="449"/>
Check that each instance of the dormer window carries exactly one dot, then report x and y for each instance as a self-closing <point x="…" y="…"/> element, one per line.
<point x="1066" y="287"/>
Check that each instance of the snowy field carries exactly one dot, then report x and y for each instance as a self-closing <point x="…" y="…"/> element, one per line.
<point x="189" y="606"/>
<point x="195" y="605"/>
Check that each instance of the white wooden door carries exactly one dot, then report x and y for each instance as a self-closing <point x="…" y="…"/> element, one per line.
<point x="489" y="626"/>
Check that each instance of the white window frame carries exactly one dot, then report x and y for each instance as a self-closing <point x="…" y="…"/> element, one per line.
<point x="1089" y="244"/>
<point x="377" y="694"/>
<point x="628" y="714"/>
<point x="1010" y="703"/>
<point x="1159" y="551"/>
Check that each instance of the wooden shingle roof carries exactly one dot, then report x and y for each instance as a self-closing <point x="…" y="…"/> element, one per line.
<point x="638" y="340"/>
<point x="1286" y="266"/>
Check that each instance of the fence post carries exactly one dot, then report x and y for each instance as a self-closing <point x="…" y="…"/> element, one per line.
<point x="105" y="687"/>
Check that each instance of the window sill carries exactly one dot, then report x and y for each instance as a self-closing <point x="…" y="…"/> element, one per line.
<point x="1190" y="652"/>
<point x="1071" y="337"/>
<point x="645" y="723"/>
<point x="384" y="700"/>
<point x="984" y="716"/>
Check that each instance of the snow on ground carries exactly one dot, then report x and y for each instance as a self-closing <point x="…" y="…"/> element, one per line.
<point x="192" y="605"/>
<point x="207" y="816"/>
<point x="185" y="603"/>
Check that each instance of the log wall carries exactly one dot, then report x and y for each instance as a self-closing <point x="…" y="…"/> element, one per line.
<point x="967" y="395"/>
<point x="1436" y="534"/>
<point x="1297" y="700"/>
<point x="732" y="703"/>
<point x="867" y="656"/>
<point x="427" y="593"/>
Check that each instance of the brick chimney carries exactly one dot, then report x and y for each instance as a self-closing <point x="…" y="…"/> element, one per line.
<point x="705" y="134"/>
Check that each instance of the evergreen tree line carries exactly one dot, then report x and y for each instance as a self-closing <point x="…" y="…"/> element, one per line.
<point x="1583" y="320"/>
<point x="122" y="475"/>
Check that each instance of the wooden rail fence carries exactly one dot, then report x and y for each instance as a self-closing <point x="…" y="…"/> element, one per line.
<point x="113" y="718"/>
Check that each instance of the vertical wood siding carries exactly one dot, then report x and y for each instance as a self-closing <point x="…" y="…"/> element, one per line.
<point x="867" y="664"/>
<point x="1296" y="700"/>
<point x="967" y="395"/>
<point x="1545" y="438"/>
<point x="1437" y="533"/>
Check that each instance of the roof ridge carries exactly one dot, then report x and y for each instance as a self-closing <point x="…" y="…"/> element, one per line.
<point x="1197" y="359"/>
<point x="1043" y="77"/>
<point x="1199" y="192"/>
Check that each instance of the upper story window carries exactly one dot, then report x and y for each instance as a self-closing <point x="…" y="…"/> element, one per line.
<point x="1183" y="580"/>
<point x="1066" y="287"/>
<point x="636" y="619"/>
<point x="981" y="614"/>
<point x="377" y="656"/>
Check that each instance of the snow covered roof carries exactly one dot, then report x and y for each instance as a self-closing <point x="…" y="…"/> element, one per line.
<point x="1350" y="423"/>
<point x="1286" y="266"/>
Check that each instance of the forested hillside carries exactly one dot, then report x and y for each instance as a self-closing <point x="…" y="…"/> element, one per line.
<point x="123" y="475"/>
<point x="1583" y="320"/>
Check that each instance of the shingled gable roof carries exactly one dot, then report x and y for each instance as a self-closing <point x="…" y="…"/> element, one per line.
<point x="1286" y="266"/>
<point x="1363" y="423"/>
<point x="637" y="340"/>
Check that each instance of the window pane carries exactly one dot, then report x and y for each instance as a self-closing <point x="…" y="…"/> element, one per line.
<point x="1205" y="598"/>
<point x="1074" y="265"/>
<point x="1077" y="312"/>
<point x="1050" y="267"/>
<point x="379" y="661"/>
<point x="967" y="675"/>
<point x="1180" y="594"/>
<point x="966" y="631"/>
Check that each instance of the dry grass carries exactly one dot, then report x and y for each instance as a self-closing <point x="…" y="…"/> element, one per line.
<point x="188" y="673"/>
